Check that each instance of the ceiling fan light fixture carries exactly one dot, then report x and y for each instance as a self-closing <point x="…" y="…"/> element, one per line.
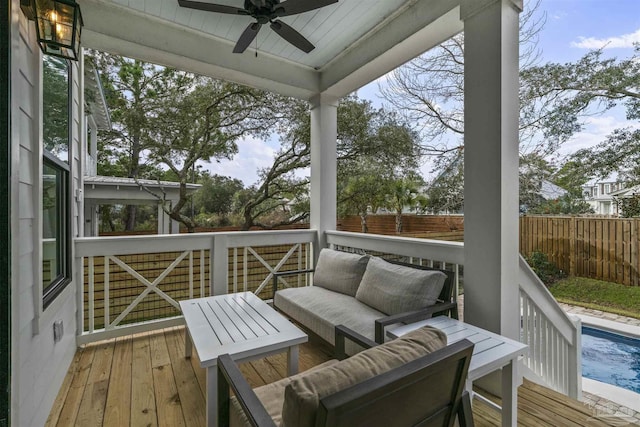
<point x="266" y="11"/>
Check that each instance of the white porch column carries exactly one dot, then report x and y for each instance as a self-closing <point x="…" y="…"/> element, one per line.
<point x="164" y="221"/>
<point x="491" y="164"/>
<point x="175" y="225"/>
<point x="324" y="132"/>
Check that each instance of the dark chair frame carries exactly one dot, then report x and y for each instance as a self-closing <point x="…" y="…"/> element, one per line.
<point x="446" y="303"/>
<point x="358" y="401"/>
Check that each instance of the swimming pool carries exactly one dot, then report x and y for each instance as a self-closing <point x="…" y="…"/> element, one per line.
<point x="611" y="358"/>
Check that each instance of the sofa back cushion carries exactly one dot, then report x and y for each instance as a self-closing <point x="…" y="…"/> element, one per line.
<point x="394" y="289"/>
<point x="339" y="271"/>
<point x="302" y="395"/>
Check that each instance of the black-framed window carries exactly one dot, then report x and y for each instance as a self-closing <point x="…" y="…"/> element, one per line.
<point x="56" y="201"/>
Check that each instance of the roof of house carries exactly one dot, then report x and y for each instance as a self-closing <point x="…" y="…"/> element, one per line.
<point x="95" y="98"/>
<point x="611" y="178"/>
<point x="116" y="180"/>
<point x="627" y="192"/>
<point x="550" y="191"/>
<point x="118" y="190"/>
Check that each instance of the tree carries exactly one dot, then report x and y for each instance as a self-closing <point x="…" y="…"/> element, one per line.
<point x="216" y="194"/>
<point x="363" y="191"/>
<point x="132" y="89"/>
<point x="278" y="187"/>
<point x="430" y="89"/>
<point x="375" y="149"/>
<point x="166" y="118"/>
<point x="366" y="137"/>
<point x="204" y="123"/>
<point x="596" y="84"/>
<point x="55" y="117"/>
<point x="629" y="206"/>
<point x="533" y="173"/>
<point x="404" y="193"/>
<point x="445" y="193"/>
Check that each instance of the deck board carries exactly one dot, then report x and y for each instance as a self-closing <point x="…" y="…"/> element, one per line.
<point x="165" y="389"/>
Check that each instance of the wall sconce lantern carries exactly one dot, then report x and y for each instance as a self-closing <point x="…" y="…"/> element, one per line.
<point x="58" y="26"/>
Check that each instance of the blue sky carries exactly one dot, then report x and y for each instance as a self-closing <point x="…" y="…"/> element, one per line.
<point x="572" y="28"/>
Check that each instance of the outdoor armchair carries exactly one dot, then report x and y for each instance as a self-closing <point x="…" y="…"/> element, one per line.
<point x="413" y="380"/>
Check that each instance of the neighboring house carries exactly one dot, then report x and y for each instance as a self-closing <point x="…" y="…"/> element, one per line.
<point x="599" y="194"/>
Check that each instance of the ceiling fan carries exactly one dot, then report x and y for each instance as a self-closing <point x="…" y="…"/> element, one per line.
<point x="265" y="11"/>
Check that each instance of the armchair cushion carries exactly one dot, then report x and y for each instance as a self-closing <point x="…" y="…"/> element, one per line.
<point x="303" y="394"/>
<point x="271" y="396"/>
<point x="393" y="289"/>
<point x="339" y="271"/>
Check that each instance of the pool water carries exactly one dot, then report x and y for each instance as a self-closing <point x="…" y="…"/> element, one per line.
<point x="611" y="358"/>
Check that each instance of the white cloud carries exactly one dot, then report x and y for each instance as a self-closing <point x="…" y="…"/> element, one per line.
<point x="622" y="41"/>
<point x="253" y="154"/>
<point x="596" y="131"/>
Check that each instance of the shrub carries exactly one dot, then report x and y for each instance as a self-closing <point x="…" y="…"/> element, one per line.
<point x="546" y="270"/>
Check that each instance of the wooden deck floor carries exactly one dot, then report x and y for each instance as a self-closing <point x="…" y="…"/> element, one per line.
<point x="144" y="380"/>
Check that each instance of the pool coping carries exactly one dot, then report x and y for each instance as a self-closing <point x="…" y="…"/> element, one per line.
<point x="610" y="392"/>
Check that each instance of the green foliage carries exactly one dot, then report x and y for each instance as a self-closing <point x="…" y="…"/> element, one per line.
<point x="216" y="194"/>
<point x="599" y="295"/>
<point x="445" y="194"/>
<point x="55" y="102"/>
<point x="629" y="206"/>
<point x="546" y="270"/>
<point x="564" y="205"/>
<point x="404" y="193"/>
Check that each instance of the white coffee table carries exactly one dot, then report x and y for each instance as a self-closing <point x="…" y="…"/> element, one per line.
<point x="490" y="353"/>
<point x="241" y="325"/>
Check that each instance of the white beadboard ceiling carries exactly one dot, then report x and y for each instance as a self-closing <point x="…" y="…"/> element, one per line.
<point x="348" y="35"/>
<point x="331" y="29"/>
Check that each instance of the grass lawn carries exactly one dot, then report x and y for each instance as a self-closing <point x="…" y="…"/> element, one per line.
<point x="599" y="295"/>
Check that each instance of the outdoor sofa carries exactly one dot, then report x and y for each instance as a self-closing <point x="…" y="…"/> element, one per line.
<point x="366" y="294"/>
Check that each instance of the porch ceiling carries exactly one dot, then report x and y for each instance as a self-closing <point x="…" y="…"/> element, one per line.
<point x="356" y="41"/>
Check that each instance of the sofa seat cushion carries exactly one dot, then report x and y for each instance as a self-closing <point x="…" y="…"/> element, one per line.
<point x="394" y="289"/>
<point x="320" y="310"/>
<point x="339" y="271"/>
<point x="303" y="394"/>
<point x="272" y="398"/>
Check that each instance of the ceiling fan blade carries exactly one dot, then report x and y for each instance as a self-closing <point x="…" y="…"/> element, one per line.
<point x="247" y="37"/>
<point x="210" y="7"/>
<point x="291" y="7"/>
<point x="292" y="36"/>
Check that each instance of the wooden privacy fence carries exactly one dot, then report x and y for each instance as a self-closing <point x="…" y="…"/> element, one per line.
<point x="599" y="248"/>
<point x="411" y="223"/>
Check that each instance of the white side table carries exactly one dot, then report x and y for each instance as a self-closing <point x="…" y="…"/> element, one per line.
<point x="490" y="353"/>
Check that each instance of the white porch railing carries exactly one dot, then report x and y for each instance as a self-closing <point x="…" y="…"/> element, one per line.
<point x="133" y="284"/>
<point x="554" y="338"/>
<point x="432" y="253"/>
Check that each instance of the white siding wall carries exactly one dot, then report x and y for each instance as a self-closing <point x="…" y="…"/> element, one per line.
<point x="38" y="364"/>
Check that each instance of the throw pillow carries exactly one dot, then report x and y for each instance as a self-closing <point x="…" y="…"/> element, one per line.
<point x="393" y="289"/>
<point x="339" y="271"/>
